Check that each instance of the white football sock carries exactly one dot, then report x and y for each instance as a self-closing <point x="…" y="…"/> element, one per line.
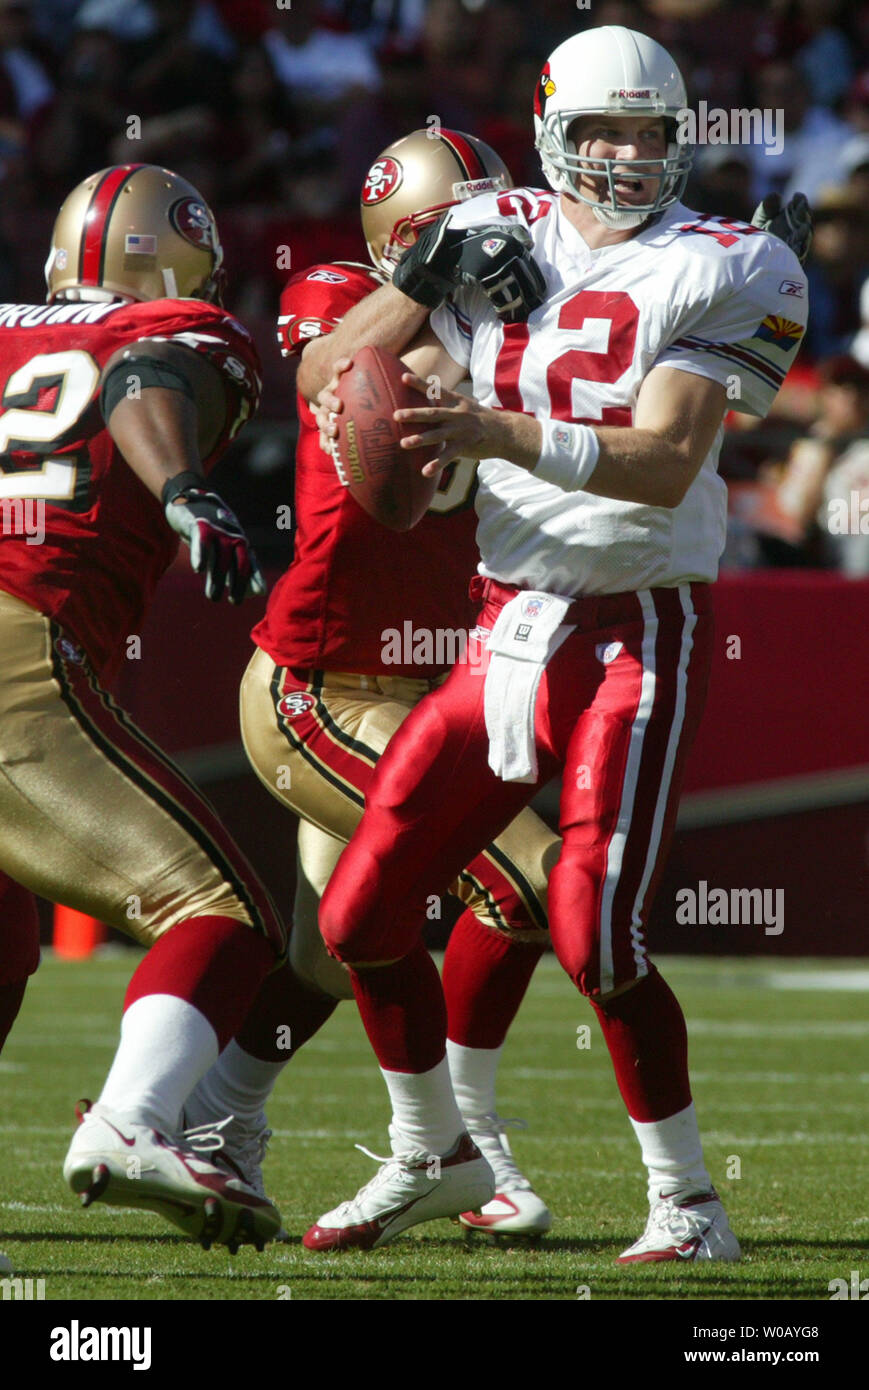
<point x="473" y="1071"/>
<point x="673" y="1154"/>
<point x="166" y="1046"/>
<point x="238" y="1084"/>
<point x="424" y="1110"/>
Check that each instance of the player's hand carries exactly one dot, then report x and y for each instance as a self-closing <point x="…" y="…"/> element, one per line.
<point x="218" y="546"/>
<point x="792" y="224"/>
<point x="328" y="404"/>
<point x="457" y="425"/>
<point x="498" y="258"/>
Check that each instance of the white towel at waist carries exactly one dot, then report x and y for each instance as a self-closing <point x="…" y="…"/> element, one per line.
<point x="529" y="630"/>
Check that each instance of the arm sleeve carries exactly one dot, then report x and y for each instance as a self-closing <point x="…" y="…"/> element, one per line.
<point x="314" y="302"/>
<point x="746" y="333"/>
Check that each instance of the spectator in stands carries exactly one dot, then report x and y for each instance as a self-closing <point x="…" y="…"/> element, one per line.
<point x="25" y="86"/>
<point x="812" y="136"/>
<point x="859" y="347"/>
<point x="838" y="266"/>
<point x="826" y="58"/>
<point x="856" y="108"/>
<point x="819" y="498"/>
<point x="256" y="150"/>
<point x="173" y="67"/>
<point x="721" y="182"/>
<point x="72" y="136"/>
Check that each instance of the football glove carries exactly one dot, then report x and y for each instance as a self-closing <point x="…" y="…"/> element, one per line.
<point x="792" y="224"/>
<point x="498" y="259"/>
<point x="427" y="272"/>
<point x="218" y="545"/>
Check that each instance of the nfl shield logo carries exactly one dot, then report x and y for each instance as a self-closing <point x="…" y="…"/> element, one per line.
<point x="492" y="245"/>
<point x="533" y="607"/>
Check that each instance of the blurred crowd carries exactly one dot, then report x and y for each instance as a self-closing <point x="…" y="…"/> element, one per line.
<point x="275" y="109"/>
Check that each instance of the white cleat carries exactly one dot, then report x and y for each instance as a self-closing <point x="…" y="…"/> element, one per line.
<point x="130" y="1165"/>
<point x="685" y="1228"/>
<point x="515" y="1208"/>
<point x="412" y="1186"/>
<point x="230" y="1143"/>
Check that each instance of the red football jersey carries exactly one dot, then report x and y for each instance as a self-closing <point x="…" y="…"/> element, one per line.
<point x="352" y="583"/>
<point x="106" y="541"/>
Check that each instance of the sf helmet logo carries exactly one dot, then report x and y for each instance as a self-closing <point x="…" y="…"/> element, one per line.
<point x="382" y="180"/>
<point x="190" y="219"/>
<point x="296" y="703"/>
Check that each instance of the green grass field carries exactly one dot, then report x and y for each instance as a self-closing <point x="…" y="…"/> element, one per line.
<point x="780" y="1069"/>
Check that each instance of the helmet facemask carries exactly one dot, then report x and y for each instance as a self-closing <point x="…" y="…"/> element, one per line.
<point x="564" y="168"/>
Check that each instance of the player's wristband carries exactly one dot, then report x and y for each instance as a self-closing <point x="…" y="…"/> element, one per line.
<point x="569" y="455"/>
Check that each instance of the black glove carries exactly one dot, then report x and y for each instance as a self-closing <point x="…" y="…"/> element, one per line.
<point x="428" y="272"/>
<point x="217" y="543"/>
<point x="791" y="224"/>
<point x="498" y="259"/>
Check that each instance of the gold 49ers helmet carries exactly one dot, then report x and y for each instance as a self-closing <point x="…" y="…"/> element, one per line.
<point x="138" y="231"/>
<point x="414" y="180"/>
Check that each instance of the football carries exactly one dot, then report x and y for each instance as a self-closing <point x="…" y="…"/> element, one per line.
<point x="383" y="478"/>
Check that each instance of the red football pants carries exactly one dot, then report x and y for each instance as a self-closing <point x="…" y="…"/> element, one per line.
<point x="616" y="711"/>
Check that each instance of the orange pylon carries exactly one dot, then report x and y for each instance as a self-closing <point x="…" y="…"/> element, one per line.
<point x="76" y="935"/>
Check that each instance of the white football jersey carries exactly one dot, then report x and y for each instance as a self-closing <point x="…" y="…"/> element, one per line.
<point x="700" y="293"/>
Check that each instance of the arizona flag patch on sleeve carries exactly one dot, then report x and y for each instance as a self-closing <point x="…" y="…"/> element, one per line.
<point x="782" y="333"/>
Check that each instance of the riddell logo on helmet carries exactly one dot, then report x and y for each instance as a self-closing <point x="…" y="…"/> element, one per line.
<point x="472" y="187"/>
<point x="631" y="94"/>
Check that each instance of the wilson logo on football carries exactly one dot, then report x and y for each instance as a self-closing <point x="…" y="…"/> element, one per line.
<point x="383" y="178"/>
<point x="295" y="704"/>
<point x="191" y="220"/>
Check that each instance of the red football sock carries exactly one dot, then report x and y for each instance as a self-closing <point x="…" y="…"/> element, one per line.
<point x="644" y="1029"/>
<point x="485" y="978"/>
<point x="283" y="1003"/>
<point x="216" y="963"/>
<point x="403" y="1011"/>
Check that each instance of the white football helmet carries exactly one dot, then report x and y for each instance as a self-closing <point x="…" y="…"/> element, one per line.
<point x="618" y="72"/>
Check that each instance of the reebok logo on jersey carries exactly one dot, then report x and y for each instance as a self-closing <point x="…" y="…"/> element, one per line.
<point x="792" y="287"/>
<point x="331" y="277"/>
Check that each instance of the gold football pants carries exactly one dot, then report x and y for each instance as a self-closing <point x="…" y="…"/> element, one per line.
<point x="92" y="814"/>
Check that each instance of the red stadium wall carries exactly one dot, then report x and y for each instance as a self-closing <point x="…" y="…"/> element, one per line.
<point x="777" y="790"/>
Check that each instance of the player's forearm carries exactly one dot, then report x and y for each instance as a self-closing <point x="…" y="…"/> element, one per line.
<point x="387" y="319"/>
<point x="632" y="465"/>
<point x="639" y="466"/>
